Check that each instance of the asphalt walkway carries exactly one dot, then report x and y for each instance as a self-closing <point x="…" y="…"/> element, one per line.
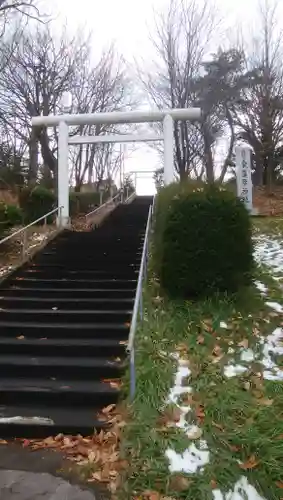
<point x="41" y="475"/>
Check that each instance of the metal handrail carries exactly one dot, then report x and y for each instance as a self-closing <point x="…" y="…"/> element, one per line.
<point x="23" y="229"/>
<point x="110" y="200"/>
<point x="129" y="198"/>
<point x="138" y="304"/>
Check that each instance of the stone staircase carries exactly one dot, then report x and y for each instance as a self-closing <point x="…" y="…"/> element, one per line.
<point x="64" y="324"/>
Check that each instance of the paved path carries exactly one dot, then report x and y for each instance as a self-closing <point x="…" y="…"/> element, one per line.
<point x="19" y="485"/>
<point x="41" y="475"/>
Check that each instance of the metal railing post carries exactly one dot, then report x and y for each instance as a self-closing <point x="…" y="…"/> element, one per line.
<point x="132" y="374"/>
<point x="23" y="230"/>
<point x="24" y="243"/>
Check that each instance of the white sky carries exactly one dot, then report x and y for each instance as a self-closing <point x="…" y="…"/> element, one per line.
<point x="128" y="22"/>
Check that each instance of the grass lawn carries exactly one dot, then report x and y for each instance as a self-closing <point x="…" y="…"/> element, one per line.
<point x="230" y="434"/>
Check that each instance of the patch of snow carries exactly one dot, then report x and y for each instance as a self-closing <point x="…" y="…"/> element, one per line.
<point x="247" y="355"/>
<point x="261" y="287"/>
<point x="234" y="370"/>
<point x="273" y="345"/>
<point x="223" y="324"/>
<point x="243" y="490"/>
<point x="193" y="458"/>
<point x="178" y="388"/>
<point x="231" y="370"/>
<point x="190" y="461"/>
<point x="274" y="305"/>
<point x="269" y="251"/>
<point x="27" y="420"/>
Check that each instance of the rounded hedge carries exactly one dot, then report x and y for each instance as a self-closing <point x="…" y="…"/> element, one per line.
<point x="206" y="244"/>
<point x="163" y="202"/>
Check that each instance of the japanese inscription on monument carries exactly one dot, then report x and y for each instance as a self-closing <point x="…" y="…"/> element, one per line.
<point x="244" y="177"/>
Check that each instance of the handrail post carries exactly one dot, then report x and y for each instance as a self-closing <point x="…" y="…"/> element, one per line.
<point x="132" y="374"/>
<point x="24" y="245"/>
<point x="63" y="174"/>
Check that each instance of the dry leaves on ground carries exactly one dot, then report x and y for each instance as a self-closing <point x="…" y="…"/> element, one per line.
<point x="200" y="339"/>
<point x="152" y="495"/>
<point x="250" y="463"/>
<point x="200" y="413"/>
<point x="100" y="450"/>
<point x="179" y="483"/>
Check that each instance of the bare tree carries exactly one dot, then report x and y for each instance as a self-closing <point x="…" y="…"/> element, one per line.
<point x="180" y="40"/>
<point x="33" y="82"/>
<point x="99" y="88"/>
<point x="259" y="115"/>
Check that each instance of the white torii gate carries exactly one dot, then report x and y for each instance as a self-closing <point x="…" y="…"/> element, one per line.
<point x="64" y="121"/>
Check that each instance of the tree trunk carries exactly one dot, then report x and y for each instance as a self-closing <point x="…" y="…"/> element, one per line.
<point x="33" y="157"/>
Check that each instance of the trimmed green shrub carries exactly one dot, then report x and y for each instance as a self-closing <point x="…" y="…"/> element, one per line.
<point x="36" y="202"/>
<point x="206" y="244"/>
<point x="163" y="202"/>
<point x="10" y="215"/>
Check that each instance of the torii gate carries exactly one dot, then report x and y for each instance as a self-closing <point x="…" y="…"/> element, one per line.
<point x="64" y="121"/>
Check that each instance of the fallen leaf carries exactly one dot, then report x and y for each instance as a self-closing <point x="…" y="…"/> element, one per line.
<point x="218" y="426"/>
<point x="213" y="484"/>
<point x="186" y="399"/>
<point x="181" y="347"/>
<point x="265" y="401"/>
<point x="279" y="484"/>
<point x="21" y="337"/>
<point x="179" y="483"/>
<point x="108" y="409"/>
<point x="151" y="495"/>
<point x="200" y="414"/>
<point x="207" y="325"/>
<point x="233" y="447"/>
<point x="200" y="339"/>
<point x="244" y="343"/>
<point x="217" y="350"/>
<point x="250" y="463"/>
<point x="171" y="415"/>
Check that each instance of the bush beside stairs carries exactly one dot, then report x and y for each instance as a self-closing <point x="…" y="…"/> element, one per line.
<point x="64" y="323"/>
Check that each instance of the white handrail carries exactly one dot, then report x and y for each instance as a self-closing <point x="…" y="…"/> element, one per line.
<point x="30" y="225"/>
<point x="110" y="200"/>
<point x="104" y="205"/>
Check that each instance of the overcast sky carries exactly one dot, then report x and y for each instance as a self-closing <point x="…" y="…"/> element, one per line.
<point x="128" y="23"/>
